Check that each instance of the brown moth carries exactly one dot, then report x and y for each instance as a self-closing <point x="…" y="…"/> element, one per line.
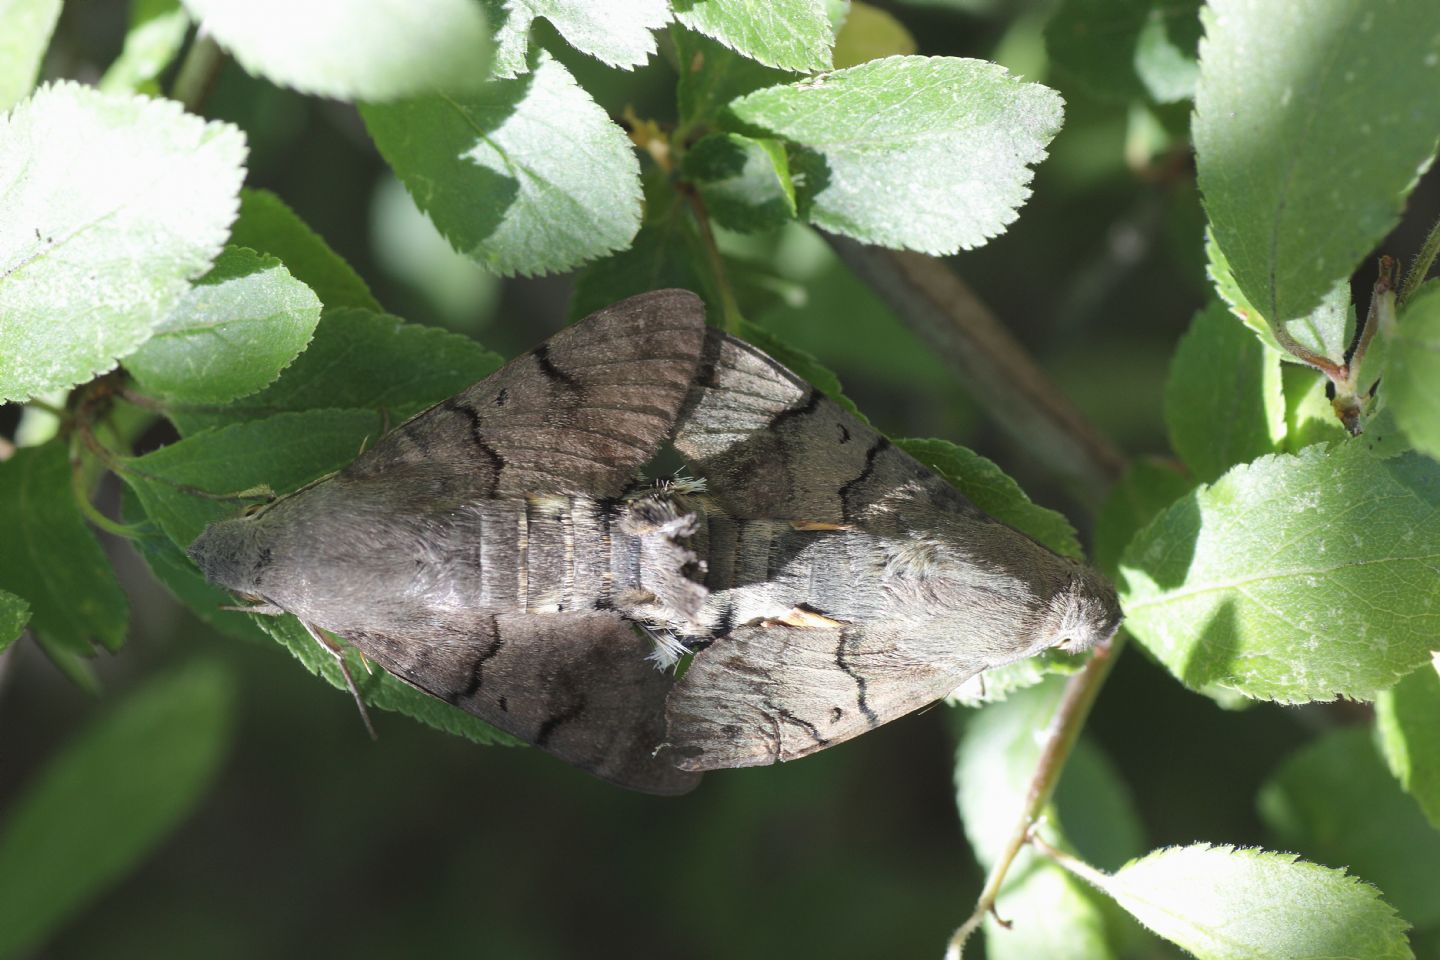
<point x="500" y="551"/>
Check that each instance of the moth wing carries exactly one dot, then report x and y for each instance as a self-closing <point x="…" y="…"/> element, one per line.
<point x="763" y="695"/>
<point x="576" y="685"/>
<point x="772" y="446"/>
<point x="577" y="415"/>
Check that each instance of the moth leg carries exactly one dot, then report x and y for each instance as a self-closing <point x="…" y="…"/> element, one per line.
<point x="335" y="651"/>
<point x="803" y="618"/>
<point x="817" y="525"/>
<point x="262" y="609"/>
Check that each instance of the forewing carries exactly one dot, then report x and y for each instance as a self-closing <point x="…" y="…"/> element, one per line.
<point x="576" y="685"/>
<point x="772" y="446"/>
<point x="577" y="415"/>
<point x="767" y="694"/>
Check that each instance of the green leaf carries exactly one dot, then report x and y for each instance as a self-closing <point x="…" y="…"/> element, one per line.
<point x="870" y="33"/>
<point x="1334" y="802"/>
<point x="1296" y="577"/>
<point x="112" y="204"/>
<point x="28" y="25"/>
<point x="922" y="153"/>
<point x="1309" y="416"/>
<point x="156" y="33"/>
<point x="1221" y="903"/>
<point x="14" y="614"/>
<point x="354" y="49"/>
<point x="284" y="453"/>
<point x="526" y="176"/>
<point x="114" y="794"/>
<point x="1407" y="718"/>
<point x="998" y="683"/>
<point x="745" y="183"/>
<point x="1148" y="487"/>
<point x="51" y="559"/>
<point x="617" y="32"/>
<point x="663" y="256"/>
<point x="788" y="34"/>
<point x="231" y="335"/>
<point x="1291" y="104"/>
<point x="1124" y="50"/>
<point x="1412" y="375"/>
<point x="1224" y="402"/>
<point x="994" y="763"/>
<point x="992" y="490"/>
<point x="360" y="360"/>
<point x="267" y="226"/>
<point x="711" y="76"/>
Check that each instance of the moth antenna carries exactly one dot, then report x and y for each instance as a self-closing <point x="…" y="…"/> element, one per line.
<point x="339" y="656"/>
<point x="259" y="609"/>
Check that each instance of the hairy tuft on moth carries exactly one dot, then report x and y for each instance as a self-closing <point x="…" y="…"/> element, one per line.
<point x="499" y="552"/>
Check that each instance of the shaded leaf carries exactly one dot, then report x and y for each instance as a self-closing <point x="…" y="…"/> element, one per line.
<point x="1407" y="718"/>
<point x="1309" y="416"/>
<point x="788" y="34"/>
<point x="113" y="203"/>
<point x="1221" y="903"/>
<point x="14" y="614"/>
<point x="745" y="183"/>
<point x="354" y="49"/>
<point x="28" y="25"/>
<point x="266" y="225"/>
<point x="231" y="335"/>
<point x="525" y="176"/>
<point x="1297" y="577"/>
<point x="1224" y="403"/>
<point x="1334" y="802"/>
<point x="1148" y="487"/>
<point x="711" y="76"/>
<point x="51" y="559"/>
<point x="1412" y="375"/>
<point x="112" y="795"/>
<point x="923" y="153"/>
<point x="663" y="256"/>
<point x="1291" y="101"/>
<point x="361" y="360"/>
<point x="992" y="490"/>
<point x="1127" y="49"/>
<point x="156" y="33"/>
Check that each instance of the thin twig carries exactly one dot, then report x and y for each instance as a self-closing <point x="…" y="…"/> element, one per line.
<point x="1337" y="372"/>
<point x="1000" y="375"/>
<point x="1080" y="693"/>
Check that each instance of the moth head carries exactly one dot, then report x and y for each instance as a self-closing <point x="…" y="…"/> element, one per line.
<point x="233" y="553"/>
<point x="1085" y="612"/>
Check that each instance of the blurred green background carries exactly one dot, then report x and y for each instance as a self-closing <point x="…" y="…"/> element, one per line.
<point x="316" y="841"/>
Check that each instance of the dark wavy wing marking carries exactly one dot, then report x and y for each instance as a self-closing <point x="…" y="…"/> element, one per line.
<point x="579" y="414"/>
<point x="772" y="446"/>
<point x="767" y="694"/>
<point x="576" y="685"/>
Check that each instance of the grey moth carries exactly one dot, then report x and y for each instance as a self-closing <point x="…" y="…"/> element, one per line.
<point x="501" y="551"/>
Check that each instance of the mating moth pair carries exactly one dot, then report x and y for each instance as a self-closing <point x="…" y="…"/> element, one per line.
<point x="500" y="551"/>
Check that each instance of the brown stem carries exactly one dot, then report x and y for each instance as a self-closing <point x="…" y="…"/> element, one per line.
<point x="729" y="308"/>
<point x="1002" y="377"/>
<point x="1337" y="372"/>
<point x="1065" y="726"/>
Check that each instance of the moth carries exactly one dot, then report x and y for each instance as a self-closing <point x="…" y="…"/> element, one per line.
<point x="500" y="551"/>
